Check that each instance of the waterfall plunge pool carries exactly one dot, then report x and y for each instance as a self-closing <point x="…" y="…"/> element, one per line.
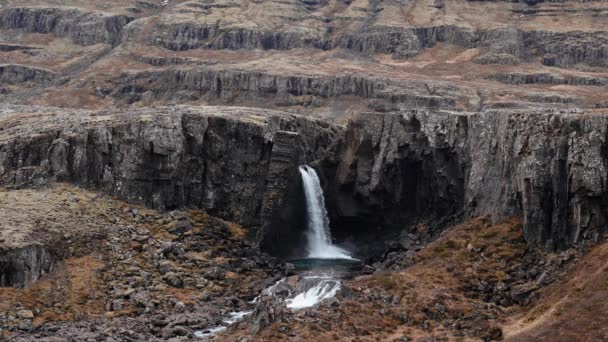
<point x="319" y="275"/>
<point x="320" y="279"/>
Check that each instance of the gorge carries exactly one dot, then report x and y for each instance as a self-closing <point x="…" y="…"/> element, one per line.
<point x="289" y="170"/>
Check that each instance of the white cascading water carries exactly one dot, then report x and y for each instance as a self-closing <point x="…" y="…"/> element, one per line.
<point x="320" y="290"/>
<point x="319" y="237"/>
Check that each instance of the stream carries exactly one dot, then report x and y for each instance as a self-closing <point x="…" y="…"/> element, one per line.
<point x="319" y="275"/>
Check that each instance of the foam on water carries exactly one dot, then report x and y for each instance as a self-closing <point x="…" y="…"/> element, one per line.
<point x="209" y="332"/>
<point x="235" y="317"/>
<point x="232" y="318"/>
<point x="324" y="289"/>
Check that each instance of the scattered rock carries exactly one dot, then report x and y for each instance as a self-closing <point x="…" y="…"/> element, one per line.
<point x="173" y="279"/>
<point x="25" y="314"/>
<point x="180" y="227"/>
<point x="521" y="293"/>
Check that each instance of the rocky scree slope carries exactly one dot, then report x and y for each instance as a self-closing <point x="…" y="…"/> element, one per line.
<point x="122" y="271"/>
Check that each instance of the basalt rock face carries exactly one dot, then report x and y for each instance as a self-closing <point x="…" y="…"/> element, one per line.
<point x="187" y="36"/>
<point x="21" y="267"/>
<point x="284" y="90"/>
<point x="363" y="29"/>
<point x="85" y="28"/>
<point x="225" y="84"/>
<point x="235" y="163"/>
<point x="392" y="170"/>
<point x="548" y="167"/>
<point x="12" y="73"/>
<point x="540" y="78"/>
<point x="404" y="168"/>
<point x="568" y="49"/>
<point x="407" y="42"/>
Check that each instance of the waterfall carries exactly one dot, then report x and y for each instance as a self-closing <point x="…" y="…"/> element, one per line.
<point x="319" y="236"/>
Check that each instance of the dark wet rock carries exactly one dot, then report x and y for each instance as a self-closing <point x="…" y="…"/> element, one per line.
<point x="22" y="266"/>
<point x="367" y="269"/>
<point x="394" y="168"/>
<point x="408" y="240"/>
<point x="214" y="158"/>
<point x="290" y="269"/>
<point x="266" y="312"/>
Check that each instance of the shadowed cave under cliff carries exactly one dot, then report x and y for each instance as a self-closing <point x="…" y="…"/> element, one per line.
<point x="416" y="190"/>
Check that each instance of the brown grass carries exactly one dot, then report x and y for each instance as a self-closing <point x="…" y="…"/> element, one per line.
<point x="71" y="290"/>
<point x="573" y="309"/>
<point x="420" y="288"/>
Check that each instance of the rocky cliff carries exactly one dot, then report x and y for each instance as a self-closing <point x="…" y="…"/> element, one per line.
<point x="81" y="27"/>
<point x="398" y="168"/>
<point x="480" y="86"/>
<point x="234" y="162"/>
<point x="385" y="172"/>
<point x="321" y="58"/>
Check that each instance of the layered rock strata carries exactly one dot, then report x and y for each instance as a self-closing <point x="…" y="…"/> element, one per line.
<point x="233" y="162"/>
<point x="82" y="27"/>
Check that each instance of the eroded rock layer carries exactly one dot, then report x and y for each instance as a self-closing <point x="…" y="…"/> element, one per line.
<point x="234" y="162"/>
<point x="549" y="168"/>
<point x="324" y="58"/>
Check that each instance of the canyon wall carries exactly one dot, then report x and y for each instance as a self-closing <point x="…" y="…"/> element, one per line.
<point x="384" y="173"/>
<point x="548" y="168"/>
<point x="236" y="163"/>
<point x="82" y="27"/>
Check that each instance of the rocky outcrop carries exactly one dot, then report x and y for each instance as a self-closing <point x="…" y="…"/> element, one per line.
<point x="230" y="161"/>
<point x="14" y="73"/>
<point x="566" y="49"/>
<point x="21" y="267"/>
<point x="189" y="35"/>
<point x="223" y="82"/>
<point x="387" y="171"/>
<point x="546" y="78"/>
<point x="548" y="168"/>
<point x="500" y="45"/>
<point x="406" y="42"/>
<point x="392" y="170"/>
<point x="240" y="86"/>
<point x="85" y="28"/>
